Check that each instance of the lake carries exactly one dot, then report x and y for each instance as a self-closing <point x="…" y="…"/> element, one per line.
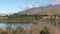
<point x="15" y="25"/>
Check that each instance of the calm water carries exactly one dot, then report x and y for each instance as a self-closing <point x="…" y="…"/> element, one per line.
<point x="4" y="25"/>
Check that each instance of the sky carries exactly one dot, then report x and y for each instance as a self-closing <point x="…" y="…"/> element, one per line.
<point x="14" y="6"/>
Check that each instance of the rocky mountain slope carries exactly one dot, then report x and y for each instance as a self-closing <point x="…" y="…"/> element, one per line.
<point x="51" y="9"/>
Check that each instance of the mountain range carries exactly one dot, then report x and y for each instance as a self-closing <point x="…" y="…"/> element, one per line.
<point x="50" y="9"/>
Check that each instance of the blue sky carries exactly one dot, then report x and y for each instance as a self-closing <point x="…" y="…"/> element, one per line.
<point x="13" y="6"/>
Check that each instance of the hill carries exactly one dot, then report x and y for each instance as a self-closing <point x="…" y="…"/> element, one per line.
<point x="51" y="9"/>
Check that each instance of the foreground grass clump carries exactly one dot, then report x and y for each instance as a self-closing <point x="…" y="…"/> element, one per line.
<point x="45" y="31"/>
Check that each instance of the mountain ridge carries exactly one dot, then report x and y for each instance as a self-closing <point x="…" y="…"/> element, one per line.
<point x="41" y="10"/>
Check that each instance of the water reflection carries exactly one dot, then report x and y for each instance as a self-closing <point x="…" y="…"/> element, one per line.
<point x="4" y="25"/>
<point x="15" y="25"/>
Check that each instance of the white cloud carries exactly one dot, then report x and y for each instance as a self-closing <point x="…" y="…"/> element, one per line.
<point x="29" y="6"/>
<point x="24" y="7"/>
<point x="3" y="12"/>
<point x="36" y="5"/>
<point x="54" y="2"/>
